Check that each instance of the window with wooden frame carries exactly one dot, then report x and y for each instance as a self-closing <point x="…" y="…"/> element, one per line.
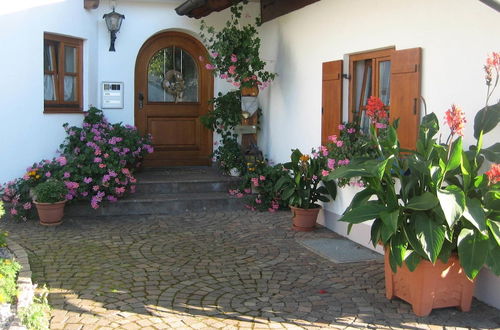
<point x="392" y="75"/>
<point x="370" y="76"/>
<point x="63" y="70"/>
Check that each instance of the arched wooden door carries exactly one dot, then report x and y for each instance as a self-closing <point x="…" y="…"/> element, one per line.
<point x="172" y="89"/>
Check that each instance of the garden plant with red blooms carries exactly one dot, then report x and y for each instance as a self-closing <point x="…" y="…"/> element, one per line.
<point x="375" y="110"/>
<point x="442" y="202"/>
<point x="96" y="163"/>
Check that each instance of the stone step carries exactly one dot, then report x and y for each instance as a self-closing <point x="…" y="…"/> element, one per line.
<point x="146" y="204"/>
<point x="184" y="180"/>
<point x="184" y="186"/>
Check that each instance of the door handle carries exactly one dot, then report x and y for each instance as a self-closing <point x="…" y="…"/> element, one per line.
<point x="141" y="100"/>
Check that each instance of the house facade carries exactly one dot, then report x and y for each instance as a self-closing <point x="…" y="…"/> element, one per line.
<point x="56" y="62"/>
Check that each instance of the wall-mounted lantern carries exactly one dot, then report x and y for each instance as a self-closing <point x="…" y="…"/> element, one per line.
<point x="114" y="22"/>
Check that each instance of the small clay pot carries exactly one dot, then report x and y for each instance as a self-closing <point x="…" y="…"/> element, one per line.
<point x="50" y="214"/>
<point x="304" y="219"/>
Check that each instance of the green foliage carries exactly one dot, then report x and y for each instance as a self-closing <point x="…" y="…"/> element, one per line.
<point x="3" y="238"/>
<point x="37" y="315"/>
<point x="235" y="51"/>
<point x="8" y="275"/>
<point x="229" y="155"/>
<point x="226" y="113"/>
<point x="301" y="187"/>
<point x="264" y="177"/>
<point x="350" y="145"/>
<point x="443" y="204"/>
<point x="50" y="191"/>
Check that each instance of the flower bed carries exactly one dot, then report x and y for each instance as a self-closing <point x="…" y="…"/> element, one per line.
<point x="96" y="163"/>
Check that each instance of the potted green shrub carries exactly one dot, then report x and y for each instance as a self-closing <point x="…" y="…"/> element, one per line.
<point x="436" y="214"/>
<point x="230" y="157"/>
<point x="302" y="188"/>
<point x="50" y="201"/>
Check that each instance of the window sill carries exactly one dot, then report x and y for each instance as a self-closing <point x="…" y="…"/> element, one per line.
<point x="67" y="110"/>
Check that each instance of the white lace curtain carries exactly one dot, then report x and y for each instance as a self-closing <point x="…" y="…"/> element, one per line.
<point x="49" y="92"/>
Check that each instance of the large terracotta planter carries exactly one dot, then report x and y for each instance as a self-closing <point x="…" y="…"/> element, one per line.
<point x="430" y="286"/>
<point x="304" y="219"/>
<point x="50" y="214"/>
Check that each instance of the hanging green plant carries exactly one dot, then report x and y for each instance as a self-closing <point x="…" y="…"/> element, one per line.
<point x="234" y="52"/>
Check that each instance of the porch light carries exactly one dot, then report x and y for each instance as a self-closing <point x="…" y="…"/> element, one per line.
<point x="114" y="22"/>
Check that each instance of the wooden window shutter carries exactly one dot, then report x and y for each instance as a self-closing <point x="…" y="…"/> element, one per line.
<point x="405" y="94"/>
<point x="331" y="99"/>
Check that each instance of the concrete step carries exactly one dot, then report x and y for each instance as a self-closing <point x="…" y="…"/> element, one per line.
<point x="145" y="204"/>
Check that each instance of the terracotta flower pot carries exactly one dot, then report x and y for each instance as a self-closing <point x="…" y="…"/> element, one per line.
<point x="304" y="219"/>
<point x="250" y="91"/>
<point x="50" y="214"/>
<point x="430" y="286"/>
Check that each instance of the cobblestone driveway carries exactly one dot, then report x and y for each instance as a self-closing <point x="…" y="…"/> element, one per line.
<point x="203" y="271"/>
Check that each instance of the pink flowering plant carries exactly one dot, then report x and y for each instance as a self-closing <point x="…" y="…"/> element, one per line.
<point x="443" y="203"/>
<point x="263" y="177"/>
<point x="96" y="163"/>
<point x="234" y="52"/>
<point x="352" y="143"/>
<point x="304" y="185"/>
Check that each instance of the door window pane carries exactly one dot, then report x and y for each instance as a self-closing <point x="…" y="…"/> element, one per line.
<point x="69" y="59"/>
<point x="172" y="76"/>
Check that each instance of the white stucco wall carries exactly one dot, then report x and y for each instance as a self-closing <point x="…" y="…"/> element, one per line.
<point x="456" y="36"/>
<point x="26" y="134"/>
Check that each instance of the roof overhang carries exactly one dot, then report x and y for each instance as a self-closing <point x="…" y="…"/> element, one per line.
<point x="202" y="8"/>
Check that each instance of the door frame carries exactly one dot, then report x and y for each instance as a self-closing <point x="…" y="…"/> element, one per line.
<point x="209" y="88"/>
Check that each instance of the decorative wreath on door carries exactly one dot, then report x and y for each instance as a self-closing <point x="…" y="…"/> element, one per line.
<point x="173" y="83"/>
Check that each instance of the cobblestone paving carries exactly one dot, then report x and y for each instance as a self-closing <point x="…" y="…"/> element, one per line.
<point x="235" y="270"/>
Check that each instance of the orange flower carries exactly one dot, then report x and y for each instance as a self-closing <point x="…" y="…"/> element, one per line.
<point x="494" y="173"/>
<point x="455" y="118"/>
<point x="304" y="158"/>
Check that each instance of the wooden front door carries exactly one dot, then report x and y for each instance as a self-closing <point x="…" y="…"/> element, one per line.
<point x="172" y="89"/>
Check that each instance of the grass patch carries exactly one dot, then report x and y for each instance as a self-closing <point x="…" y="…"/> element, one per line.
<point x="36" y="316"/>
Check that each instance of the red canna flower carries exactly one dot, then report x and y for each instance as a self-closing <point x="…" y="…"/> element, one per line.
<point x="375" y="110"/>
<point x="455" y="118"/>
<point x="494" y="173"/>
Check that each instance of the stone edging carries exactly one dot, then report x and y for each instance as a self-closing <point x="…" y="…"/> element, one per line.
<point x="24" y="284"/>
